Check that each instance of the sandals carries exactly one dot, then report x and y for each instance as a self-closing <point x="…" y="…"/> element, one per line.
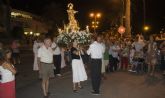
<point x="80" y="87"/>
<point x="75" y="91"/>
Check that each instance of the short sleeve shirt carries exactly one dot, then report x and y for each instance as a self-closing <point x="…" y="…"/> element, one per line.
<point x="45" y="54"/>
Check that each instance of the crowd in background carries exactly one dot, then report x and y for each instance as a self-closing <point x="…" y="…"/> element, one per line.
<point x="136" y="55"/>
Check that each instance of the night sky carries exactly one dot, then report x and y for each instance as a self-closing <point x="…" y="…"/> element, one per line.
<point x="155" y="11"/>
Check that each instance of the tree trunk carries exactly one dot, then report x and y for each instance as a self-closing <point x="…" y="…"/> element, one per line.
<point x="128" y="18"/>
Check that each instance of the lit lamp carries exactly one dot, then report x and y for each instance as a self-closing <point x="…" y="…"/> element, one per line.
<point x="31" y="33"/>
<point x="95" y="23"/>
<point x="92" y="15"/>
<point x="26" y="33"/>
<point x="98" y="15"/>
<point x="121" y="30"/>
<point x="146" y="28"/>
<point x="37" y="34"/>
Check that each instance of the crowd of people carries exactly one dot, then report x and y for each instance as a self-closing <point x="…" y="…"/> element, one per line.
<point x="135" y="55"/>
<point x="105" y="54"/>
<point x="110" y="54"/>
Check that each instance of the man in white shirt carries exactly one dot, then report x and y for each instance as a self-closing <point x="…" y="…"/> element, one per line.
<point x="96" y="51"/>
<point x="45" y="64"/>
<point x="56" y="58"/>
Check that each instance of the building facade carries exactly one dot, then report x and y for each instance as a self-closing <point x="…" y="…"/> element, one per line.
<point x="30" y="23"/>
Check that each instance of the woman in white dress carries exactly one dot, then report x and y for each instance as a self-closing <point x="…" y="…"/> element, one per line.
<point x="78" y="70"/>
<point x="37" y="44"/>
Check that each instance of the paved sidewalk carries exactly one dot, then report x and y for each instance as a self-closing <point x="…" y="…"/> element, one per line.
<point x="117" y="85"/>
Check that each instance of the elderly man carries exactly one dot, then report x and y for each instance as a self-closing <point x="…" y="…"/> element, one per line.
<point x="96" y="51"/>
<point x="45" y="64"/>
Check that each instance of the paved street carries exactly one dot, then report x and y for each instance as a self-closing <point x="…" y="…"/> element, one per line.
<point x="117" y="85"/>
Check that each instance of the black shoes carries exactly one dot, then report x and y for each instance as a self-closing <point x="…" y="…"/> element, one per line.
<point x="95" y="93"/>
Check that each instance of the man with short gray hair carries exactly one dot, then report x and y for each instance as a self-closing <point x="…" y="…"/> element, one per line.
<point x="45" y="64"/>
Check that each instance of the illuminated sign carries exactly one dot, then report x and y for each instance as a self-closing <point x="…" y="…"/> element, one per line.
<point x="16" y="14"/>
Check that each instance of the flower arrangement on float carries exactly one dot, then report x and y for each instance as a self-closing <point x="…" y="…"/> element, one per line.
<point x="81" y="37"/>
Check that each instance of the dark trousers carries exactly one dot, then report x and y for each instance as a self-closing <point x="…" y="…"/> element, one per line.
<point x="57" y="63"/>
<point x="124" y="62"/>
<point x="113" y="65"/>
<point x="162" y="62"/>
<point x="96" y="74"/>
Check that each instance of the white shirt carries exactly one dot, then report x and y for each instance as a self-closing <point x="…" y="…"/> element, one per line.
<point x="57" y="50"/>
<point x="96" y="50"/>
<point x="138" y="45"/>
<point x="115" y="48"/>
<point x="45" y="55"/>
<point x="6" y="75"/>
<point x="110" y="50"/>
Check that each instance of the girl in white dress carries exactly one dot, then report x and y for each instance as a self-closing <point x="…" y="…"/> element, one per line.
<point x="78" y="70"/>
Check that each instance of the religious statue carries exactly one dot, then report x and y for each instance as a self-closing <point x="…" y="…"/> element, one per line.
<point x="73" y="25"/>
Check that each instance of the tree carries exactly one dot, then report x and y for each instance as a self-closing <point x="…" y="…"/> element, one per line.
<point x="128" y="17"/>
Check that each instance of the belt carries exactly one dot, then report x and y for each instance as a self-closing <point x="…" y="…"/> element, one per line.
<point x="96" y="58"/>
<point x="46" y="63"/>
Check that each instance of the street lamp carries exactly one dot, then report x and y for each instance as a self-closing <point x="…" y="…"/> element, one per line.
<point x="26" y="33"/>
<point x="95" y="15"/>
<point x="37" y="34"/>
<point x="146" y="28"/>
<point x="31" y="33"/>
<point x="95" y="23"/>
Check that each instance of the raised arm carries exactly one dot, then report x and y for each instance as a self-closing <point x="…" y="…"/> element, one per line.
<point x="9" y="67"/>
<point x="89" y="50"/>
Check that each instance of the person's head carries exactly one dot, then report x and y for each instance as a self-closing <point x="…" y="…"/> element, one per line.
<point x="47" y="42"/>
<point x="136" y="38"/>
<point x="151" y="38"/>
<point x="6" y="55"/>
<point x="99" y="39"/>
